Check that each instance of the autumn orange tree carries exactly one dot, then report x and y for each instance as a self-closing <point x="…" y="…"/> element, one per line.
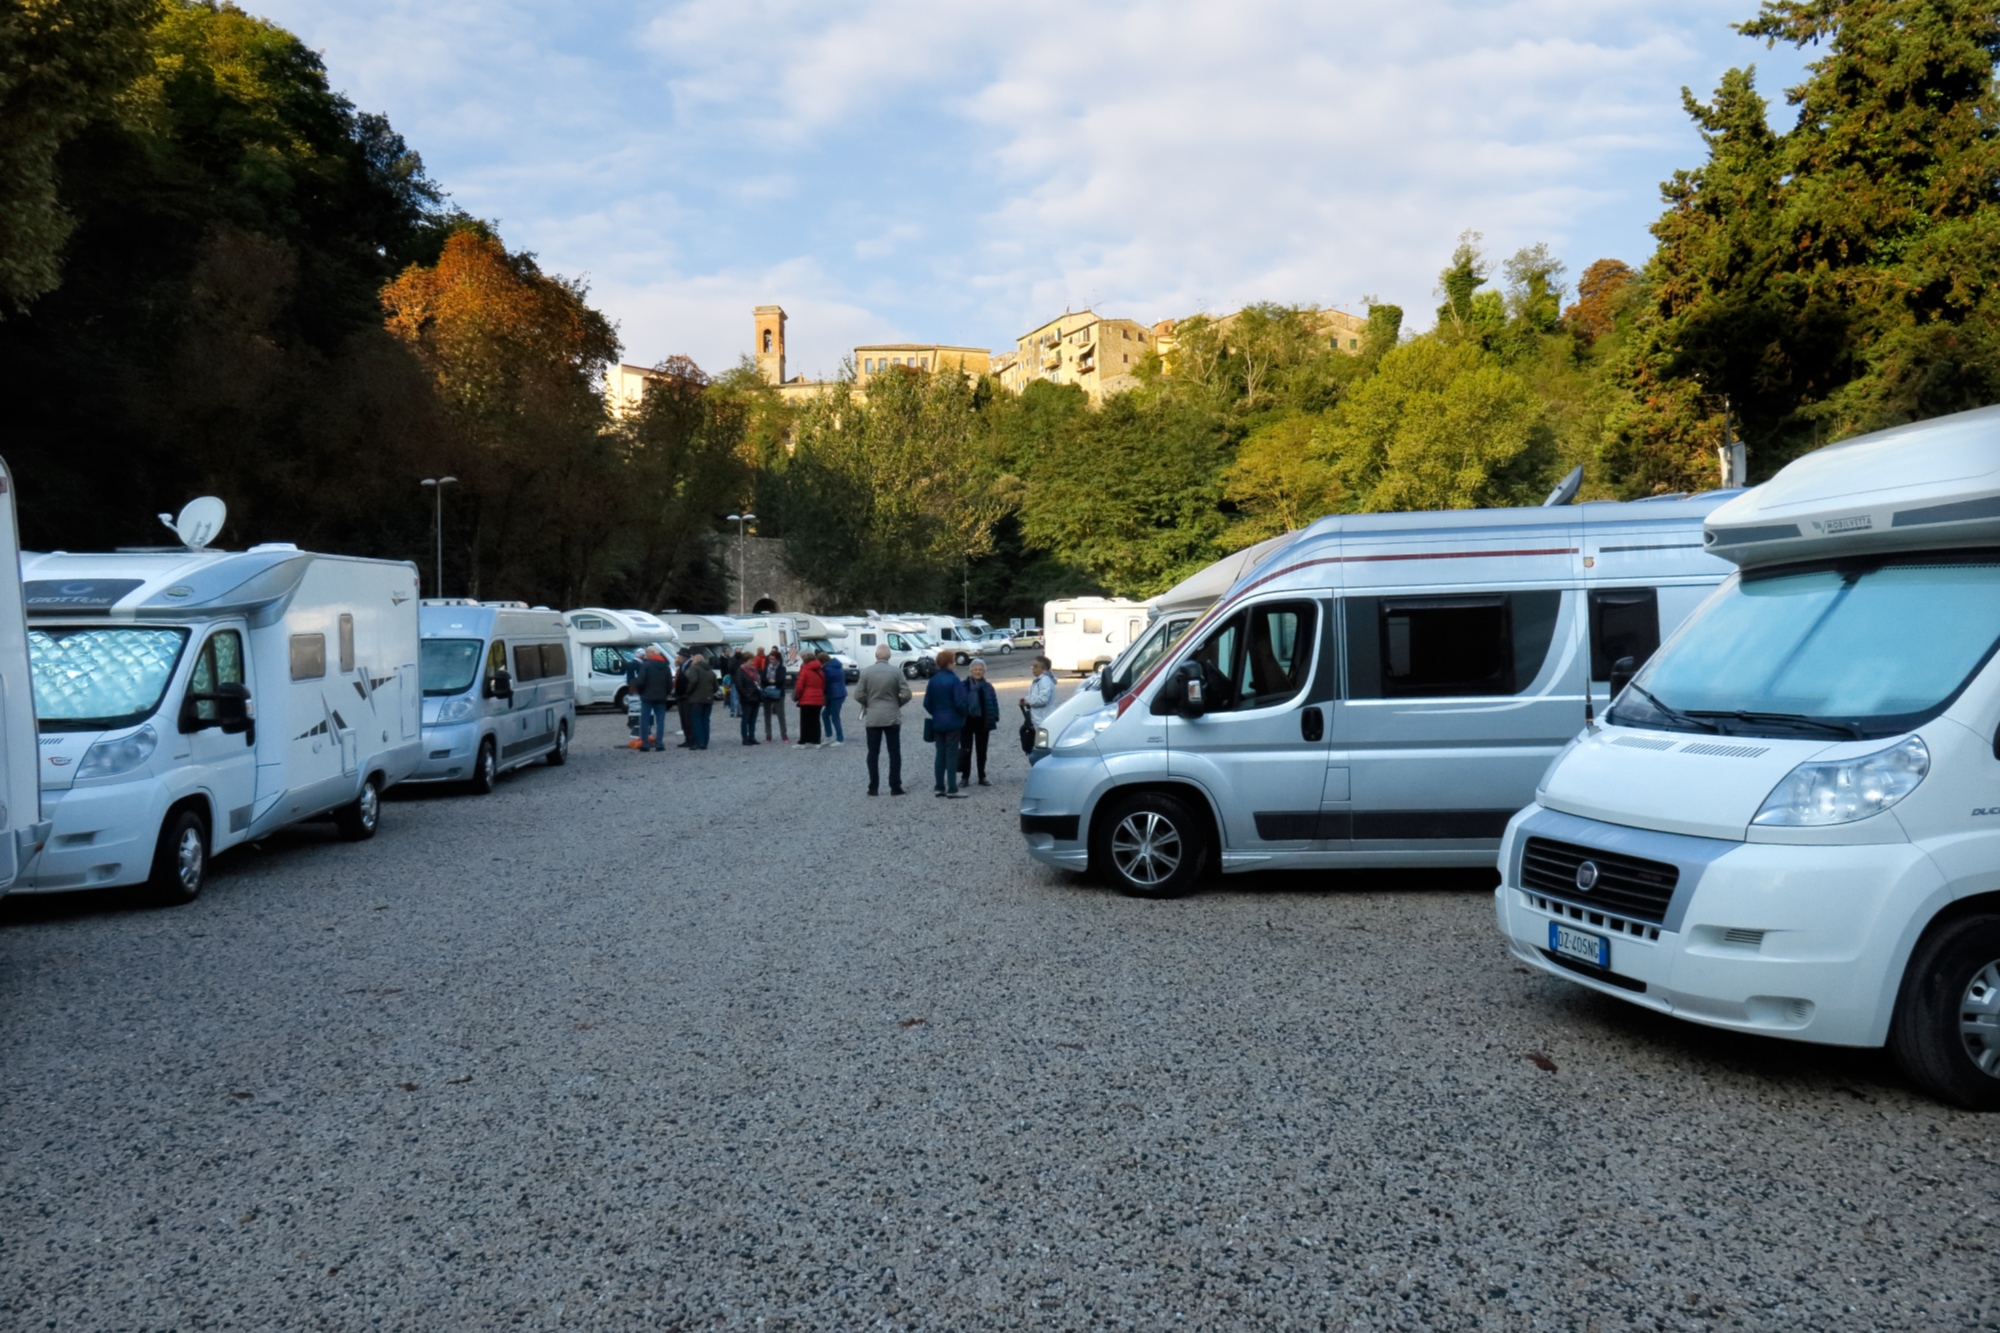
<point x="517" y="356"/>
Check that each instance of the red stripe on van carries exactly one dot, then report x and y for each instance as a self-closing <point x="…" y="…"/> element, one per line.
<point x="1223" y="608"/>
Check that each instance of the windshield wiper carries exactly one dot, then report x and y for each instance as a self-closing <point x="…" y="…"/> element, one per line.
<point x="1672" y="713"/>
<point x="1790" y="720"/>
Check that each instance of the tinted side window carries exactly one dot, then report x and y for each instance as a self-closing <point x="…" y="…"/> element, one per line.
<point x="527" y="662"/>
<point x="346" y="644"/>
<point x="1624" y="622"/>
<point x="555" y="659"/>
<point x="1277" y="654"/>
<point x="308" y="656"/>
<point x="1467" y="645"/>
<point x="220" y="662"/>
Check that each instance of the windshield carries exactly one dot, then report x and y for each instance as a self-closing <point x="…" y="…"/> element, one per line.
<point x="1139" y="658"/>
<point x="1852" y="649"/>
<point x="100" y="678"/>
<point x="447" y="666"/>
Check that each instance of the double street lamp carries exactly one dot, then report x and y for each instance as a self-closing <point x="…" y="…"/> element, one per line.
<point x="439" y="483"/>
<point x="742" y="565"/>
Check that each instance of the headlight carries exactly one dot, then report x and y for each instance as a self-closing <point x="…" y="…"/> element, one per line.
<point x="1041" y="738"/>
<point x="456" y="710"/>
<point x="1085" y="729"/>
<point x="112" y="757"/>
<point x="1841" y="791"/>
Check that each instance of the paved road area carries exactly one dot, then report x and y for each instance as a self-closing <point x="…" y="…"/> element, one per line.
<point x="715" y="1041"/>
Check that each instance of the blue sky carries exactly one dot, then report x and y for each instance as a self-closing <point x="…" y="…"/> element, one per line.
<point x="886" y="169"/>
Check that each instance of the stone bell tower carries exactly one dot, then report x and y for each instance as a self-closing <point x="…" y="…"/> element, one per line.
<point x="771" y="343"/>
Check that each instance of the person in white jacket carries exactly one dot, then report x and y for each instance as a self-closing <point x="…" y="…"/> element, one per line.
<point x="1041" y="691"/>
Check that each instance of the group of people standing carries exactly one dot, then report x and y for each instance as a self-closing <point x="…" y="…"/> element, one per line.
<point x="961" y="712"/>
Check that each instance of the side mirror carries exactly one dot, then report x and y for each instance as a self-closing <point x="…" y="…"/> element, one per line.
<point x="1180" y="693"/>
<point x="500" y="685"/>
<point x="230" y="709"/>
<point x="1622" y="672"/>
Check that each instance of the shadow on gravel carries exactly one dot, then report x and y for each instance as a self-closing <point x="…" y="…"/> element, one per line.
<point x="1808" y="1069"/>
<point x="1265" y="883"/>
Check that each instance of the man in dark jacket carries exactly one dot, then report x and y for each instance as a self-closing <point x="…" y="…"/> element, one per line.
<point x="656" y="691"/>
<point x="700" y="697"/>
<point x="778" y="679"/>
<point x="982" y="715"/>
<point x="749" y="695"/>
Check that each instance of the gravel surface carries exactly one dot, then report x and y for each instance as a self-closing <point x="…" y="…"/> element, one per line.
<point x="715" y="1040"/>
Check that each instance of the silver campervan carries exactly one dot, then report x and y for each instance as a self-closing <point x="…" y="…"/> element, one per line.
<point x="1384" y="691"/>
<point x="498" y="692"/>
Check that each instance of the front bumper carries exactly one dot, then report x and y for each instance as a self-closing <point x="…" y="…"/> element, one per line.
<point x="1054" y="802"/>
<point x="99" y="838"/>
<point x="1804" y="942"/>
<point x="449" y="749"/>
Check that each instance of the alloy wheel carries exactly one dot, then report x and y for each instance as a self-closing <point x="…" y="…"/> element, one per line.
<point x="1979" y="1019"/>
<point x="1146" y="847"/>
<point x="189" y="857"/>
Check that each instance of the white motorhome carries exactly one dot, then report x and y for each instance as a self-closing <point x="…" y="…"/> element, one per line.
<point x="1789" y="821"/>
<point x="498" y="692"/>
<point x="1384" y="690"/>
<point x="1172" y="613"/>
<point x="22" y="828"/>
<point x="603" y="643"/>
<point x="911" y="651"/>
<point x="961" y="636"/>
<point x="711" y="634"/>
<point x="826" y="634"/>
<point x="1083" y="634"/>
<point x="190" y="700"/>
<point x="775" y="629"/>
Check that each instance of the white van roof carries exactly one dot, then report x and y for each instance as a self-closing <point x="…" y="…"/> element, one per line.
<point x="1198" y="591"/>
<point x="1932" y="484"/>
<point x="177" y="584"/>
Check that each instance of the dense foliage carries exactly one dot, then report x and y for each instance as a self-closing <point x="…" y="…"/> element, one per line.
<point x="218" y="275"/>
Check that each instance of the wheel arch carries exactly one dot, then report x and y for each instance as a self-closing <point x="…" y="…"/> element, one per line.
<point x="1181" y="788"/>
<point x="1946" y="916"/>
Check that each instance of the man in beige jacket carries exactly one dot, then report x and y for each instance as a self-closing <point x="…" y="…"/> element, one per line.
<point x="881" y="692"/>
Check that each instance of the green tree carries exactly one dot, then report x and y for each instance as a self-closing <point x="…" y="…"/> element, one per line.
<point x="1278" y="482"/>
<point x="1441" y="425"/>
<point x="62" y="62"/>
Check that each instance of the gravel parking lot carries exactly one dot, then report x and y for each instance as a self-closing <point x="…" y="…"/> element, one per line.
<point x="715" y="1040"/>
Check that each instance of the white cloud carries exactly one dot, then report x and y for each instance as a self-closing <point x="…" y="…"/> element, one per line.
<point x="892" y="169"/>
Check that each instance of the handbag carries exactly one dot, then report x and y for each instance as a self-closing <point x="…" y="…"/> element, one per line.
<point x="773" y="693"/>
<point x="930" y="734"/>
<point x="1027" y="738"/>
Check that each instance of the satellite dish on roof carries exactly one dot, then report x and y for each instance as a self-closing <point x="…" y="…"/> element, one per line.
<point x="1566" y="489"/>
<point x="201" y="518"/>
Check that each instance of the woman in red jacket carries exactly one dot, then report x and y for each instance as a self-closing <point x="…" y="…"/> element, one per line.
<point x="809" y="688"/>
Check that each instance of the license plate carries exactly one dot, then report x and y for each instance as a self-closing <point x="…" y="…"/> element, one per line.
<point x="1579" y="945"/>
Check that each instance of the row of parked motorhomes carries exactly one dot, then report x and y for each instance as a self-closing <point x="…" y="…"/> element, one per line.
<point x="1736" y="756"/>
<point x="160" y="706"/>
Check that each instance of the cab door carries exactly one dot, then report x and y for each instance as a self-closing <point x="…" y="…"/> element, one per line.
<point x="223" y="753"/>
<point x="1260" y="746"/>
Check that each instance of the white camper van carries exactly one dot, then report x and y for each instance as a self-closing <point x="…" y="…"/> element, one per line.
<point x="1789" y="822"/>
<point x="190" y="700"/>
<point x="1383" y="691"/>
<point x="1082" y="634"/>
<point x="498" y="692"/>
<point x="961" y="636"/>
<point x="603" y="643"/>
<point x="824" y="634"/>
<point x="911" y="651"/>
<point x="711" y="634"/>
<point x="22" y="828"/>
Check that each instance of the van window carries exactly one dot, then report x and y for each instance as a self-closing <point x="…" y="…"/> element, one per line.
<point x="1092" y="626"/>
<point x="592" y="622"/>
<point x="1065" y="617"/>
<point x="1260" y="657"/>
<point x="220" y="662"/>
<point x="446" y="666"/>
<point x="867" y="640"/>
<point x="1456" y="646"/>
<point x="346" y="644"/>
<point x="899" y="643"/>
<point x="1624" y="622"/>
<point x="308" y="656"/>
<point x="98" y="678"/>
<point x="527" y="661"/>
<point x="609" y="661"/>
<point x="496" y="658"/>
<point x="555" y="660"/>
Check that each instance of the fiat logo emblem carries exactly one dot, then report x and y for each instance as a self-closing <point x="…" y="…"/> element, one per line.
<point x="1586" y="876"/>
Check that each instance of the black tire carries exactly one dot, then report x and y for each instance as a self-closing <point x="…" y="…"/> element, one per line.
<point x="485" y="769"/>
<point x="180" y="859"/>
<point x="1946" y="1032"/>
<point x="909" y="671"/>
<point x="1152" y="845"/>
<point x="560" y="755"/>
<point x="360" y="817"/>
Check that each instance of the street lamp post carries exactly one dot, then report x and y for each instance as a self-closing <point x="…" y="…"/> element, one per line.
<point x="438" y="484"/>
<point x="742" y="563"/>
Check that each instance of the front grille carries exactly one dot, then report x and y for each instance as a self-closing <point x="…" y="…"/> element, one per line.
<point x="1617" y="925"/>
<point x="1626" y="885"/>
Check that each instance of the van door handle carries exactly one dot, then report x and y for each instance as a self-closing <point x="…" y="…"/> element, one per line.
<point x="1312" y="726"/>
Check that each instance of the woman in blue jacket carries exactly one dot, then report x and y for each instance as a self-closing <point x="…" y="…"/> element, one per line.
<point x="944" y="700"/>
<point x="836" y="695"/>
